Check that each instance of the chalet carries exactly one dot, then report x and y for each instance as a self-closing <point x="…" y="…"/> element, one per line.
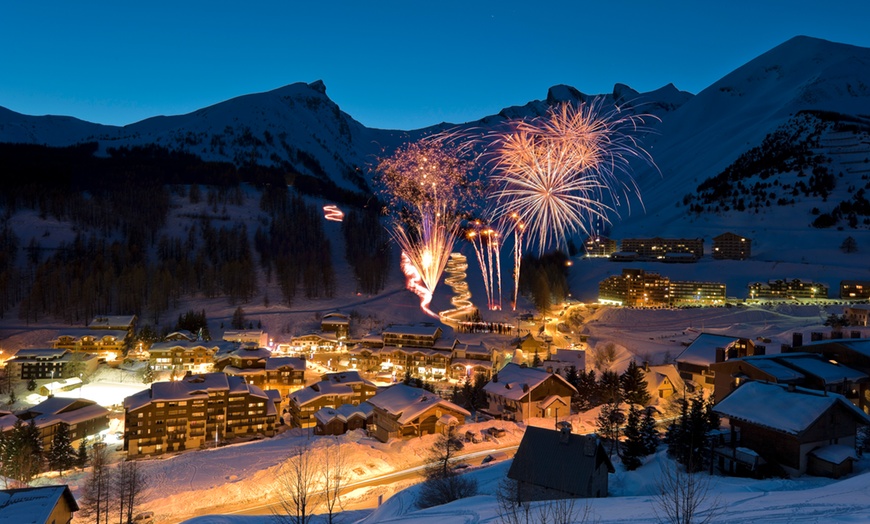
<point x="40" y="505"/>
<point x="50" y="364"/>
<point x="347" y="417"/>
<point x="402" y="411"/>
<point x="807" y="370"/>
<point x="858" y="315"/>
<point x="730" y="246"/>
<point x="193" y="412"/>
<point x="315" y="342"/>
<point x="195" y="357"/>
<point x="563" y="359"/>
<point x="346" y="387"/>
<point x="663" y="382"/>
<point x="469" y="360"/>
<point x="83" y="418"/>
<point x="559" y="465"/>
<point x="707" y="349"/>
<point x="257" y="337"/>
<point x="519" y="393"/>
<point x="785" y="424"/>
<point x="285" y="374"/>
<point x="336" y="323"/>
<point x="422" y="336"/>
<point x="105" y="343"/>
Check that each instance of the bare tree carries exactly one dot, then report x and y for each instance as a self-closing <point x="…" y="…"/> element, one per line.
<point x="334" y="469"/>
<point x="684" y="497"/>
<point x="130" y="482"/>
<point x="298" y="482"/>
<point x="95" y="492"/>
<point x="443" y="483"/>
<point x="604" y="356"/>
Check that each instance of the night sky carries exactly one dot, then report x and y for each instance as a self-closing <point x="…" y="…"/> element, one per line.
<point x="402" y="64"/>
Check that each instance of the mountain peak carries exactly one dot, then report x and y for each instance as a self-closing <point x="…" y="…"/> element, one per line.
<point x="318" y="86"/>
<point x="564" y="93"/>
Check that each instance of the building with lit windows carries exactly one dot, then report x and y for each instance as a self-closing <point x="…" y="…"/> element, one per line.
<point x="657" y="248"/>
<point x="855" y="289"/>
<point x="730" y="246"/>
<point x="787" y="289"/>
<point x="599" y="246"/>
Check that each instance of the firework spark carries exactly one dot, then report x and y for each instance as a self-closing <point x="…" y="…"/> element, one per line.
<point x="486" y="240"/>
<point x="561" y="172"/>
<point x="426" y="183"/>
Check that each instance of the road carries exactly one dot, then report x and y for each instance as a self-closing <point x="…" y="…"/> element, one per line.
<point x="413" y="473"/>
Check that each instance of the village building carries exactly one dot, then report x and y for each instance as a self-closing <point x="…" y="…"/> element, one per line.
<point x="50" y="364"/>
<point x="692" y="292"/>
<point x="559" y="464"/>
<point x="730" y="246"/>
<point x="808" y="370"/>
<point x="106" y="344"/>
<point x="256" y="337"/>
<point x="344" y="418"/>
<point x="37" y="505"/>
<point x="336" y="323"/>
<point x="184" y="356"/>
<point x="315" y="342"/>
<point x="519" y="393"/>
<point x="418" y="336"/>
<point x="855" y="290"/>
<point x="563" y="359"/>
<point x="694" y="363"/>
<point x="656" y="248"/>
<point x="470" y="360"/>
<point x="402" y="411"/>
<point x="787" y="289"/>
<point x="83" y="419"/>
<point x="195" y="412"/>
<point x="599" y="246"/>
<point x="858" y="315"/>
<point x="635" y="287"/>
<point x="663" y="382"/>
<point x="335" y="389"/>
<point x="793" y="427"/>
<point x="285" y="375"/>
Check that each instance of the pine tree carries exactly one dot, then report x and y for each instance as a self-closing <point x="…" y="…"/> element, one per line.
<point x="609" y="388"/>
<point x="633" y="449"/>
<point x="634" y="385"/>
<point x="649" y="432"/>
<point x="588" y="388"/>
<point x="609" y="419"/>
<point x="687" y="436"/>
<point x="238" y="321"/>
<point x="61" y="456"/>
<point x="82" y="454"/>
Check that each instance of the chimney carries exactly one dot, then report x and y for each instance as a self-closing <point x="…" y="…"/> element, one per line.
<point x="720" y="354"/>
<point x="564" y="435"/>
<point x="590" y="444"/>
<point x="646" y="365"/>
<point x="495" y="377"/>
<point x="760" y="350"/>
<point x="525" y="388"/>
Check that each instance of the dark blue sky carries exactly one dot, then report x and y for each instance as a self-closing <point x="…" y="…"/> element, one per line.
<point x="397" y="64"/>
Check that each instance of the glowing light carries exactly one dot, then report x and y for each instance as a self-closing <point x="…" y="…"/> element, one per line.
<point x="332" y="213"/>
<point x="426" y="183"/>
<point x="558" y="173"/>
<point x="461" y="300"/>
<point x="486" y="240"/>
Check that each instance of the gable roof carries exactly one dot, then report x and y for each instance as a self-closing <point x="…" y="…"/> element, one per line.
<point x="32" y="505"/>
<point x="544" y="460"/>
<point x="514" y="381"/>
<point x="702" y="350"/>
<point x="408" y="402"/>
<point x="777" y="407"/>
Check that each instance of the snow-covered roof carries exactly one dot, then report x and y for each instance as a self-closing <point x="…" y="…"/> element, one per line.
<point x="515" y="382"/>
<point x="318" y="390"/>
<point x="79" y="333"/>
<point x="32" y="505"/>
<point x="858" y="345"/>
<point x="773" y="368"/>
<point x="408" y="402"/>
<point x="343" y="412"/>
<point x="7" y="421"/>
<point x="835" y="453"/>
<point x="75" y="416"/>
<point x="830" y="373"/>
<point x="702" y="350"/>
<point x="273" y="363"/>
<point x="416" y="330"/>
<point x="657" y="374"/>
<point x="252" y="352"/>
<point x="31" y="353"/>
<point x="112" y="321"/>
<point x="189" y="388"/>
<point x="776" y="407"/>
<point x="185" y="344"/>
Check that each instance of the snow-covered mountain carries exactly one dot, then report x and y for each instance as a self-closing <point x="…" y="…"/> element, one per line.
<point x="698" y="137"/>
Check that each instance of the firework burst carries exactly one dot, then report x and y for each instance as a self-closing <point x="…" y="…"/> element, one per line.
<point x="486" y="240"/>
<point x="559" y="173"/>
<point x="425" y="184"/>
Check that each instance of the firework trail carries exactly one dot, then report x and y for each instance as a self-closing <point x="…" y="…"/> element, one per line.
<point x="426" y="183"/>
<point x="486" y="240"/>
<point x="560" y="172"/>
